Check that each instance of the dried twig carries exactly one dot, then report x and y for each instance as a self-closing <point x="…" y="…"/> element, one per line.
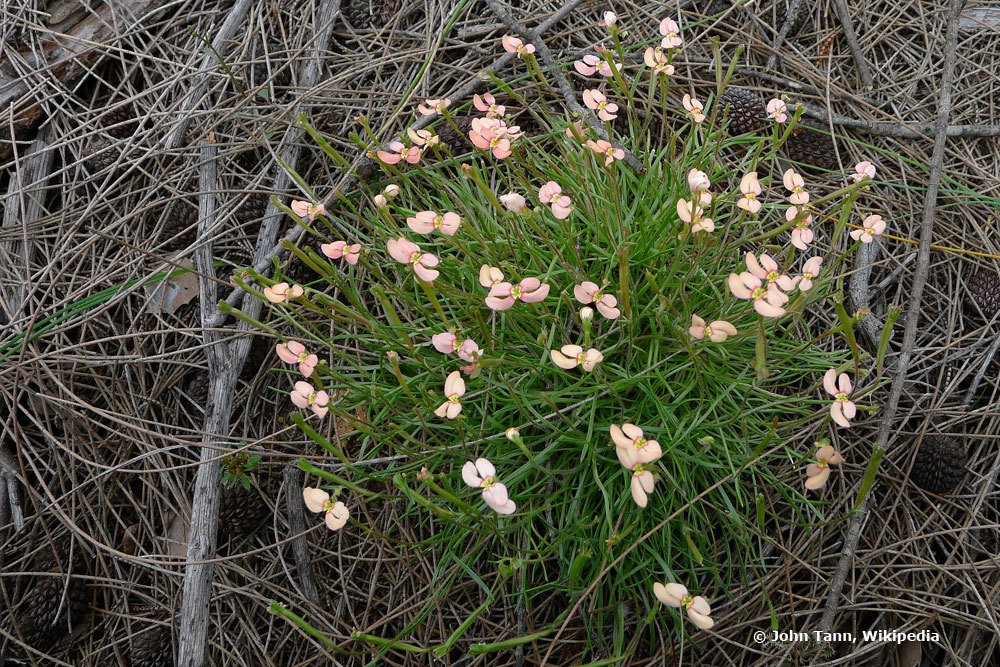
<point x="887" y="424"/>
<point x="852" y="41"/>
<point x="297" y="531"/>
<point x="902" y="130"/>
<point x="859" y="288"/>
<point x="793" y="12"/>
<point x="562" y="83"/>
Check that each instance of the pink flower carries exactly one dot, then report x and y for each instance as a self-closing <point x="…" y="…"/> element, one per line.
<point x="551" y="193"/>
<point x="512" y="44"/>
<point x="513" y="202"/>
<point x="642" y="484"/>
<point x="871" y="227"/>
<point x="504" y="295"/>
<point x="694" y="107"/>
<point x="632" y="448"/>
<point x="490" y="276"/>
<point x="767" y="269"/>
<point x="698" y="181"/>
<point x="424" y="138"/>
<point x="692" y="213"/>
<point x="318" y="500"/>
<point x="802" y="233"/>
<point x="796" y="185"/>
<point x="482" y="475"/>
<point x="656" y="60"/>
<point x="398" y="152"/>
<point x="408" y="252"/>
<point x="817" y="473"/>
<point x="295" y="352"/>
<point x="570" y="356"/>
<point x="454" y="389"/>
<point x="717" y="331"/>
<point x="842" y="410"/>
<point x="863" y="170"/>
<point x="305" y="209"/>
<point x="342" y="250"/>
<point x="488" y="104"/>
<point x="591" y="64"/>
<point x="677" y="595"/>
<point x="809" y="272"/>
<point x="304" y="395"/>
<point x="610" y="153"/>
<point x="750" y="188"/>
<point x="777" y="110"/>
<point x="281" y="292"/>
<point x="588" y="292"/>
<point x="671" y="34"/>
<point x="494" y="135"/>
<point x="426" y="222"/>
<point x="595" y="100"/>
<point x="609" y="19"/>
<point x="434" y="107"/>
<point x="448" y="343"/>
<point x="767" y="300"/>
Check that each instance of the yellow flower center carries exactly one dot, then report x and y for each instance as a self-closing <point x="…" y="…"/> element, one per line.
<point x="415" y="258"/>
<point x="454" y="398"/>
<point x="639" y="443"/>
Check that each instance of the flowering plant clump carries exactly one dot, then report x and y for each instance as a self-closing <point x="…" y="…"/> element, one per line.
<point x="459" y="317"/>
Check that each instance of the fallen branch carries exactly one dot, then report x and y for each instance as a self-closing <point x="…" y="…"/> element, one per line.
<point x="886" y="425"/>
<point x="793" y="13"/>
<point x="562" y="83"/>
<point x="859" y="289"/>
<point x="852" y="42"/>
<point x="297" y="532"/>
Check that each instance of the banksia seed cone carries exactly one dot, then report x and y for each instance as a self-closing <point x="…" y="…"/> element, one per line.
<point x="253" y="209"/>
<point x="197" y="388"/>
<point x="181" y="225"/>
<point x="46" y="616"/>
<point x="746" y="110"/>
<point x="153" y="648"/>
<point x="241" y="511"/>
<point x="809" y="147"/>
<point x="984" y="293"/>
<point x="120" y="122"/>
<point x="101" y="154"/>
<point x="940" y="464"/>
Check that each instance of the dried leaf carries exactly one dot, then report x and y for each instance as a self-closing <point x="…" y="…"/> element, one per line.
<point x="166" y="296"/>
<point x="908" y="654"/>
<point x="175" y="543"/>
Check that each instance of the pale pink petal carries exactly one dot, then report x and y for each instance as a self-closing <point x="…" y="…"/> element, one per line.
<point x="670" y="594"/>
<point x="471" y="475"/>
<point x="639" y="494"/>
<point x="444" y="342"/>
<point x="830" y="381"/>
<point x="315" y="499"/>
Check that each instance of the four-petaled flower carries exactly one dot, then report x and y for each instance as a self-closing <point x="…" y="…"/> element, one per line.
<point x="512" y="44"/>
<point x="632" y="448"/>
<point x="677" y="595"/>
<point x="493" y="134"/>
<point x="423" y="137"/>
<point x="842" y="410"/>
<point x="570" y="356"/>
<point x="318" y="500"/>
<point x="426" y="222"/>
<point x="295" y="352"/>
<point x="777" y="110"/>
<point x="488" y="104"/>
<point x="862" y="171"/>
<point x="504" y="295"/>
<point x="342" y="250"/>
<point x="717" y="331"/>
<point x="280" y="292"/>
<point x="454" y="389"/>
<point x="448" y="343"/>
<point x="398" y="152"/>
<point x="767" y="269"/>
<point x="304" y="395"/>
<point x="588" y="292"/>
<point x="795" y="184"/>
<point x="591" y="64"/>
<point x="408" y="252"/>
<point x="767" y="299"/>
<point x="305" y="209"/>
<point x="692" y="212"/>
<point x="750" y="189"/>
<point x="551" y="193"/>
<point x="817" y="473"/>
<point x="695" y="108"/>
<point x="656" y="60"/>
<point x="482" y="475"/>
<point x="671" y="34"/>
<point x="434" y="107"/>
<point x="595" y="99"/>
<point x="513" y="202"/>
<point x="610" y="153"/>
<point x="871" y="227"/>
<point x="490" y="276"/>
<point x="809" y="272"/>
<point x="802" y="233"/>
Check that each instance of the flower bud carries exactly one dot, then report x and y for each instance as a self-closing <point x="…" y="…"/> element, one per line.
<point x="610" y="18"/>
<point x="380" y="201"/>
<point x="513" y="202"/>
<point x="391" y="191"/>
<point x="586" y="313"/>
<point x="512" y="434"/>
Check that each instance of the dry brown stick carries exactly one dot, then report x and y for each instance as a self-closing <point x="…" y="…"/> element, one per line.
<point x="209" y="64"/>
<point x="263" y="263"/>
<point x="793" y="12"/>
<point x="852" y="42"/>
<point x="901" y="129"/>
<point x="886" y="426"/>
<point x="562" y="83"/>
<point x="297" y="531"/>
<point x="859" y="288"/>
